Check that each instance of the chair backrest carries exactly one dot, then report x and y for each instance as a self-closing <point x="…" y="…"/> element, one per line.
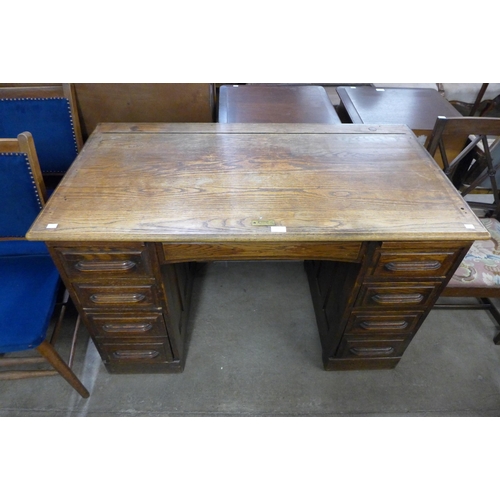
<point x="464" y="148"/>
<point x="143" y="102"/>
<point x="29" y="280"/>
<point x="23" y="189"/>
<point x="49" y="113"/>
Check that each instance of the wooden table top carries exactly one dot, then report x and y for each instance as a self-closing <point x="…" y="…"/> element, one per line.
<point x="275" y="104"/>
<point x="209" y="182"/>
<point x="417" y="108"/>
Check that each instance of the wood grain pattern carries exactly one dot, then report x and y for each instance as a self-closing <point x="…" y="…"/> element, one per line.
<point x="366" y="203"/>
<point x="208" y="182"/>
<point x="187" y="252"/>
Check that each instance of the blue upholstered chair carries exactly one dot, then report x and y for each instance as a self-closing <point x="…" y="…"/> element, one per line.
<point x="29" y="281"/>
<point x="50" y="114"/>
<point x="478" y="276"/>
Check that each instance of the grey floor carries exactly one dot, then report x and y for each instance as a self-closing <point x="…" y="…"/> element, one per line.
<point x="254" y="351"/>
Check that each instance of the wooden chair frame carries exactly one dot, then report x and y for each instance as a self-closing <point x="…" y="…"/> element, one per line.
<point x="47" y="91"/>
<point x="473" y="131"/>
<point x="25" y="144"/>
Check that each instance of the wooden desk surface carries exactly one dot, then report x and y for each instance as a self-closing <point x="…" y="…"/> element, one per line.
<point x="275" y="104"/>
<point x="208" y="182"/>
<point x="417" y="108"/>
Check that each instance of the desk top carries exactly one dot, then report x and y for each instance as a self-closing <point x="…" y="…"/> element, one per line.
<point x="209" y="182"/>
<point x="275" y="104"/>
<point x="417" y="108"/>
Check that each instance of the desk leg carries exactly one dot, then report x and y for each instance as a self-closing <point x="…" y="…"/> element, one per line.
<point x="334" y="287"/>
<point x="177" y="283"/>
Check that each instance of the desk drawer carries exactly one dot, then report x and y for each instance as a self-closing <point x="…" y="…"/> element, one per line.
<point x="336" y="251"/>
<point x="98" y="263"/>
<point x="131" y="297"/>
<point x="396" y="261"/>
<point x="396" y="296"/>
<point x="374" y="324"/>
<point x="148" y="351"/>
<point x="363" y="349"/>
<point x="126" y="325"/>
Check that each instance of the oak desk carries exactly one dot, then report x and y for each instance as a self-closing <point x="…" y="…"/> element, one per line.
<point x="381" y="230"/>
<point x="275" y="104"/>
<point x="417" y="108"/>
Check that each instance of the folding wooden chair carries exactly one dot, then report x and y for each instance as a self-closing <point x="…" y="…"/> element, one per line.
<point x="478" y="276"/>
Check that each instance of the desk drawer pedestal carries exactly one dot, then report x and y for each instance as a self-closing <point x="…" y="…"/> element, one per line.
<point x="134" y="309"/>
<point x="369" y="299"/>
<point x="368" y="313"/>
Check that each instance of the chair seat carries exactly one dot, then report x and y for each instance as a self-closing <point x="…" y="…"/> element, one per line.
<point x="481" y="266"/>
<point x="28" y="286"/>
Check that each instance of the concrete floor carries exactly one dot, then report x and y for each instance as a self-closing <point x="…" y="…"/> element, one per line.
<point x="255" y="351"/>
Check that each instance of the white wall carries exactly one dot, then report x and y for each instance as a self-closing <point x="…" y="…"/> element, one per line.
<point x="467" y="92"/>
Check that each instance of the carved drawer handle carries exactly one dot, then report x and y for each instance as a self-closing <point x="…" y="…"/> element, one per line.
<point x="128" y="328"/>
<point x="107" y="298"/>
<point x="384" y="325"/>
<point x="136" y="354"/>
<point x="398" y="298"/>
<point x="430" y="265"/>
<point x="103" y="266"/>
<point x="371" y="351"/>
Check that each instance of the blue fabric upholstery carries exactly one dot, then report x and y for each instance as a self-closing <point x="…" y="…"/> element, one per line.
<point x="20" y="203"/>
<point x="28" y="278"/>
<point x="22" y="247"/>
<point x="50" y="122"/>
<point x="28" y="290"/>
